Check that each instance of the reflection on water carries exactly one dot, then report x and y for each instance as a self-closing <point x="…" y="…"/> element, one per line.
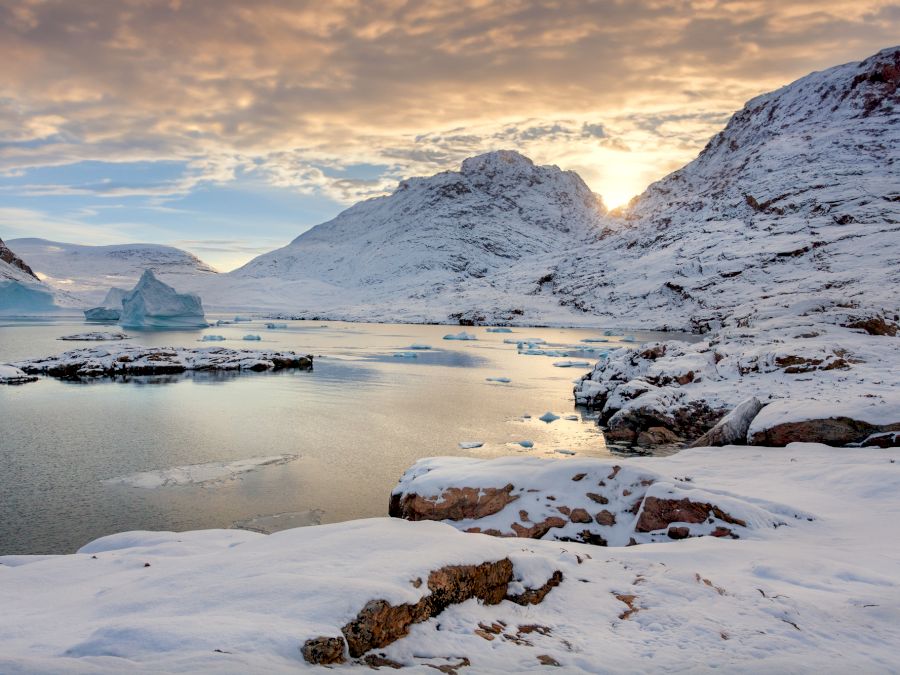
<point x="356" y="421"/>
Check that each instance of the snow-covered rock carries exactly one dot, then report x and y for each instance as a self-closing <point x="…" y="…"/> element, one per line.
<point x="153" y="304"/>
<point x="96" y="336"/>
<point x="129" y="359"/>
<point x="13" y="375"/>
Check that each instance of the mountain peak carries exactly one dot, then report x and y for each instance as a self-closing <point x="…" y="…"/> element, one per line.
<point x="8" y="256"/>
<point x="497" y="161"/>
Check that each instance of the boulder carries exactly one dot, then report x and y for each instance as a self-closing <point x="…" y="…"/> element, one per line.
<point x="455" y="503"/>
<point x="731" y="429"/>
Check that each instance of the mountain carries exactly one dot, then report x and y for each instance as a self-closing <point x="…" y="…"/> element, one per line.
<point x="88" y="272"/>
<point x="799" y="196"/>
<point x="13" y="267"/>
<point x="20" y="289"/>
<point x="433" y="246"/>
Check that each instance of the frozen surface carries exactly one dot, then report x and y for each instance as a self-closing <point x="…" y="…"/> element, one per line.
<point x="211" y="473"/>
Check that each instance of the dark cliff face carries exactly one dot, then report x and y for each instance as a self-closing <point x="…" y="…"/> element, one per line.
<point x="7" y="255"/>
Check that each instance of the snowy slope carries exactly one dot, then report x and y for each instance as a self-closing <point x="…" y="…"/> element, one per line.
<point x="20" y="290"/>
<point x="430" y="243"/>
<point x="799" y="196"/>
<point x="89" y="271"/>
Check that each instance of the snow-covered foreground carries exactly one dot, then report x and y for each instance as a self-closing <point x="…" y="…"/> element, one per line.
<point x="810" y="595"/>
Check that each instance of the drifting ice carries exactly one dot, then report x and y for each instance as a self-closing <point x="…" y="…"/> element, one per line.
<point x="153" y="304"/>
<point x="469" y="445"/>
<point x="504" y="380"/>
<point x="460" y="336"/>
<point x="252" y="337"/>
<point x="499" y="330"/>
<point x="212" y="338"/>
<point x="548" y="417"/>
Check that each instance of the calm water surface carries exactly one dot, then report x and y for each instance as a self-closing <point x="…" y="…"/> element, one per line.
<point x="357" y="421"/>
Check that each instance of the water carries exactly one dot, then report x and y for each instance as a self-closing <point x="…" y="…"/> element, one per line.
<point x="356" y="422"/>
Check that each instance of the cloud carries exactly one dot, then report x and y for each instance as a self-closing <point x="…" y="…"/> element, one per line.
<point x="284" y="90"/>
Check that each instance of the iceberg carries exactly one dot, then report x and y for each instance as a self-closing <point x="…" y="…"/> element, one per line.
<point x="111" y="307"/>
<point x="153" y="304"/>
<point x="460" y="336"/>
<point x="18" y="296"/>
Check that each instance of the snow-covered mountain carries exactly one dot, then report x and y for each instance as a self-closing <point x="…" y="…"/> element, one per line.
<point x="88" y="272"/>
<point x="799" y="196"/>
<point x="13" y="267"/>
<point x="422" y="251"/>
<point x="20" y="289"/>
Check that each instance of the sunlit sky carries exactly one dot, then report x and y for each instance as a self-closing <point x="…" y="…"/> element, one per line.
<point x="227" y="128"/>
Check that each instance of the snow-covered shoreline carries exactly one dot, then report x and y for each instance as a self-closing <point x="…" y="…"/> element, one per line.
<point x="815" y="594"/>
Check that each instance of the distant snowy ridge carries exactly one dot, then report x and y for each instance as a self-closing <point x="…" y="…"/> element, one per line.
<point x="89" y="271"/>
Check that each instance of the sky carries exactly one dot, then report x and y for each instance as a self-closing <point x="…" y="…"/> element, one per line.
<point x="228" y="128"/>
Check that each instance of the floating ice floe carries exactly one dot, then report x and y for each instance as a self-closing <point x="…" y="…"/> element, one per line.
<point x="543" y="352"/>
<point x="224" y="322"/>
<point x="212" y="338"/>
<point x="564" y="451"/>
<point x="153" y="304"/>
<point x="526" y="444"/>
<point x="548" y="417"/>
<point x="571" y="418"/>
<point x="406" y="355"/>
<point x="470" y="445"/>
<point x="498" y="330"/>
<point x="525" y="341"/>
<point x="611" y="333"/>
<point x="629" y="338"/>
<point x="251" y="337"/>
<point x="504" y="380"/>
<point x="419" y="346"/>
<point x="95" y="337"/>
<point x="594" y="340"/>
<point x="572" y="364"/>
<point x="460" y="336"/>
<point x="273" y="326"/>
<point x="202" y="475"/>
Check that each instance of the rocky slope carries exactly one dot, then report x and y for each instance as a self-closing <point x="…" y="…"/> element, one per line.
<point x="798" y="196"/>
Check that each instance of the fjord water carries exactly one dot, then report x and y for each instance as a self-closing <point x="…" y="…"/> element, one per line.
<point x="357" y="421"/>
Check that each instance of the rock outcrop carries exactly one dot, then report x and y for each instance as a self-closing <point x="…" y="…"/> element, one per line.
<point x="128" y="360"/>
<point x="9" y="257"/>
<point x="731" y="429"/>
<point x="379" y="623"/>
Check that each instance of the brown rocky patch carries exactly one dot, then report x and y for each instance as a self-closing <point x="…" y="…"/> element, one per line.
<point x="831" y="431"/>
<point x="658" y="513"/>
<point x="453" y="504"/>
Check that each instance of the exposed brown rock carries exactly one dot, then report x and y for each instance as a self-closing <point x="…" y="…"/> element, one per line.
<point x="547" y="660"/>
<point x="679" y="532"/>
<point x="890" y="439"/>
<point x="657" y="436"/>
<point x="874" y="325"/>
<point x="600" y="499"/>
<point x="377" y="661"/>
<point x="605" y="517"/>
<point x="832" y="431"/>
<point x="658" y="513"/>
<point x="580" y="516"/>
<point x="534" y="596"/>
<point x="537" y="530"/>
<point x="7" y="256"/>
<point x="453" y="504"/>
<point x="323" y="650"/>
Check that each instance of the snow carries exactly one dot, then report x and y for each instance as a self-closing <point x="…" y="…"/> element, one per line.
<point x="460" y="336"/>
<point x="203" y="475"/>
<point x="153" y="304"/>
<point x="809" y="595"/>
<point x="13" y="375"/>
<point x="96" y="336"/>
<point x="865" y="409"/>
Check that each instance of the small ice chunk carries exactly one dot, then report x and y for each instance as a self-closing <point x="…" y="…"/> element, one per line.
<point x="504" y="380"/>
<point x="273" y="326"/>
<point x="564" y="451"/>
<point x="629" y="338"/>
<point x="212" y="338"/>
<point x="406" y="355"/>
<point x="419" y="346"/>
<point x="499" y="330"/>
<point x="223" y="322"/>
<point x="252" y="337"/>
<point x="610" y="333"/>
<point x="595" y="340"/>
<point x="548" y="417"/>
<point x="571" y="418"/>
<point x="238" y="319"/>
<point x="527" y="341"/>
<point x="460" y="336"/>
<point x="526" y="444"/>
<point x="572" y="364"/>
<point x="469" y="445"/>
